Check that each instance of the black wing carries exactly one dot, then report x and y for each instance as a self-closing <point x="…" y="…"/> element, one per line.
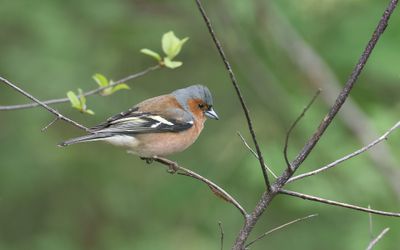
<point x="134" y="122"/>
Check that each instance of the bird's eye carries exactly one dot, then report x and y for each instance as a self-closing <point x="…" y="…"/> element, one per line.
<point x="201" y="105"/>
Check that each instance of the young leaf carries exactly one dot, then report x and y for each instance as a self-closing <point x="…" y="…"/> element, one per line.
<point x="74" y="100"/>
<point x="151" y="53"/>
<point x="171" y="64"/>
<point x="171" y="44"/>
<point x="119" y="87"/>
<point x="100" y="79"/>
<point x="88" y="111"/>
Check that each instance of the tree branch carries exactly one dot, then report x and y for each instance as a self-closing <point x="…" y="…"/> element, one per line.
<point x="88" y="93"/>
<point x="347" y="157"/>
<point x="238" y="92"/>
<point x="285" y="154"/>
<point x="218" y="191"/>
<point x="374" y="241"/>
<point x="338" y="204"/>
<point x="348" y="86"/>
<point x="267" y="196"/>
<point x="50" y="109"/>
<point x="279" y="227"/>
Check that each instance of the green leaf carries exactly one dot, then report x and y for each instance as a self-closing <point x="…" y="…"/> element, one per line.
<point x="119" y="87"/>
<point x="88" y="111"/>
<point x="74" y="100"/>
<point x="171" y="64"/>
<point x="171" y="44"/>
<point x="151" y="53"/>
<point x="100" y="79"/>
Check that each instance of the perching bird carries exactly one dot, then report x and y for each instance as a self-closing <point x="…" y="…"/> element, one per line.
<point x="158" y="126"/>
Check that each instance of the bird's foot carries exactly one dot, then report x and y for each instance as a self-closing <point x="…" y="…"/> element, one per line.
<point x="148" y="160"/>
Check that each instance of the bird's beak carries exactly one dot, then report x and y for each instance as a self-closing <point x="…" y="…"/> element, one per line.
<point x="211" y="114"/>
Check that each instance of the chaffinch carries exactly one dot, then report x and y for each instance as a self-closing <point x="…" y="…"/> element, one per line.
<point x="158" y="126"/>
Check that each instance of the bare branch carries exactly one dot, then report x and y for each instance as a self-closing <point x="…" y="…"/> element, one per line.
<point x="285" y="154"/>
<point x="50" y="109"/>
<point x="348" y="86"/>
<point x="237" y="89"/>
<point x="269" y="195"/>
<point x="347" y="157"/>
<point x="374" y="241"/>
<point x="221" y="230"/>
<point x="280" y="227"/>
<point x="336" y="203"/>
<point x="254" y="153"/>
<point x="218" y="191"/>
<point x="88" y="93"/>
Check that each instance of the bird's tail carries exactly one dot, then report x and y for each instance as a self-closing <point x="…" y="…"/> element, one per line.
<point x="86" y="138"/>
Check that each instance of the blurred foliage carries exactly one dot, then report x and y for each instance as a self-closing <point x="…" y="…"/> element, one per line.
<point x="95" y="196"/>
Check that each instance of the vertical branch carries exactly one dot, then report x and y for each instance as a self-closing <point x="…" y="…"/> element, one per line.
<point x="237" y="89"/>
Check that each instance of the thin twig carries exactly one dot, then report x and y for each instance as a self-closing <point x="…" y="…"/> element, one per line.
<point x="221" y="231"/>
<point x="336" y="203"/>
<point x="374" y="241"/>
<point x="285" y="154"/>
<point x="220" y="192"/>
<point x="371" y="232"/>
<point x="349" y="156"/>
<point x="88" y="93"/>
<point x="50" y="109"/>
<point x="254" y="153"/>
<point x="51" y="123"/>
<point x="279" y="227"/>
<point x="237" y="89"/>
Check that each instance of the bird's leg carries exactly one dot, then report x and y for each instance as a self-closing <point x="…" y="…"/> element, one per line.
<point x="147" y="159"/>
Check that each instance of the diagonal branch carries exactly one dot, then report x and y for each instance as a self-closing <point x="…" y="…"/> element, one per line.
<point x="338" y="204"/>
<point x="285" y="154"/>
<point x="50" y="109"/>
<point x="237" y="89"/>
<point x="374" y="241"/>
<point x="218" y="191"/>
<point x="348" y="86"/>
<point x="88" y="93"/>
<point x="347" y="157"/>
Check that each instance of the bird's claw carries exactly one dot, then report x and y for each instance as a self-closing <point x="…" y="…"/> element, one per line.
<point x="148" y="160"/>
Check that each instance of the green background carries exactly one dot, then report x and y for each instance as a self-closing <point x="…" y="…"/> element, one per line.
<point x="95" y="196"/>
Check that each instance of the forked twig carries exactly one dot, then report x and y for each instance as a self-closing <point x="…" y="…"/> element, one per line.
<point x="50" y="109"/>
<point x="217" y="190"/>
<point x="349" y="156"/>
<point x="278" y="228"/>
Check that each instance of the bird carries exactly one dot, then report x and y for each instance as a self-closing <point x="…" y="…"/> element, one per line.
<point x="159" y="126"/>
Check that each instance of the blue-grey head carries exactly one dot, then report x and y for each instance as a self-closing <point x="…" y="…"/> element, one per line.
<point x="198" y="97"/>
